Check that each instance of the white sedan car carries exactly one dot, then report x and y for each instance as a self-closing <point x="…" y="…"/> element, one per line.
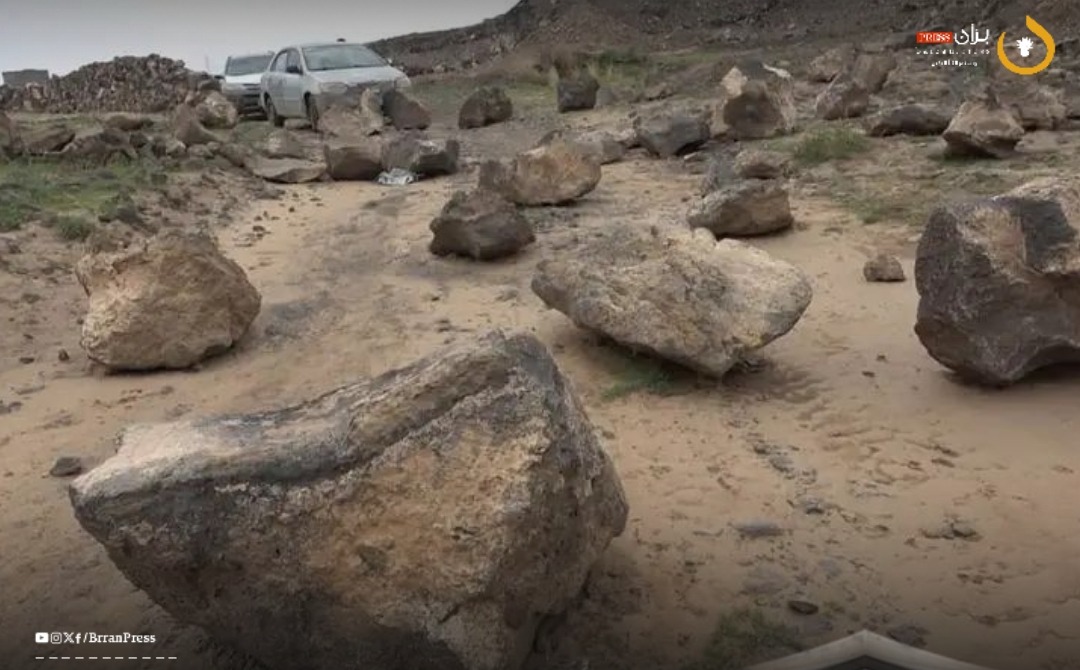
<point x="301" y="78"/>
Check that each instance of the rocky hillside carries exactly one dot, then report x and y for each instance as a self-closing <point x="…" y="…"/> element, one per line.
<point x="671" y="24"/>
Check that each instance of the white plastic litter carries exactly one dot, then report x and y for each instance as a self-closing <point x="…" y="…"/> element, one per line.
<point x="397" y="177"/>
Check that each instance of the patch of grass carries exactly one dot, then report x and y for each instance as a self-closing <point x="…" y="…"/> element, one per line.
<point x="40" y="189"/>
<point x="875" y="208"/>
<point x="73" y="228"/>
<point x="746" y="637"/>
<point x="829" y="144"/>
<point x="642" y="374"/>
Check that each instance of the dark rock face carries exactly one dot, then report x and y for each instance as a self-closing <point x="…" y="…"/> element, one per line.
<point x="999" y="283"/>
<point x="305" y="536"/>
<point x="480" y="224"/>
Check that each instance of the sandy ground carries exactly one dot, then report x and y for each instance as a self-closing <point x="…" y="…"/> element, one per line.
<point x="906" y="502"/>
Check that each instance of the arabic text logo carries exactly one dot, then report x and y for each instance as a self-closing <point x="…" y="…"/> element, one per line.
<point x="1026" y="45"/>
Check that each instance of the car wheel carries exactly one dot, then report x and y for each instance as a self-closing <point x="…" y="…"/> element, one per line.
<point x="312" y="112"/>
<point x="272" y="115"/>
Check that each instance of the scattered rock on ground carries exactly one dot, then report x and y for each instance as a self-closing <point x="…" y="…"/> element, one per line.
<point x="66" y="466"/>
<point x="831" y="63"/>
<point x="683" y="297"/>
<point x="423" y="157"/>
<point x="884" y="268"/>
<point x="576" y="90"/>
<point x="912" y="119"/>
<point x="338" y="120"/>
<point x="44" y="138"/>
<point x="216" y="112"/>
<point x="671" y="133"/>
<point x="844" y="98"/>
<point x="405" y="112"/>
<point x="169" y="301"/>
<point x="281" y="143"/>
<point x="762" y="164"/>
<point x="128" y="122"/>
<point x="480" y="224"/>
<point x="486" y="106"/>
<point x="286" y="170"/>
<point x="983" y="127"/>
<point x="10" y="145"/>
<point x="994" y="279"/>
<point x="606" y="147"/>
<point x="871" y="70"/>
<point x="359" y="159"/>
<point x="745" y="208"/>
<point x="188" y="129"/>
<point x="100" y="145"/>
<point x="1035" y="105"/>
<point x="553" y="174"/>
<point x="757" y="101"/>
<point x="484" y="446"/>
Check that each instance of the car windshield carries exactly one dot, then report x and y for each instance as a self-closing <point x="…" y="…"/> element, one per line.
<point x="340" y="57"/>
<point x="239" y="67"/>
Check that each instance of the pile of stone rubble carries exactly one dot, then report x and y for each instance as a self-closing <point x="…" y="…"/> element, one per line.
<point x="127" y="84"/>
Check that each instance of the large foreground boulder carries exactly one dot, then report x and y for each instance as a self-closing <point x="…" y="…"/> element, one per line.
<point x="683" y="296"/>
<point x="552" y="174"/>
<point x="167" y="302"/>
<point x="756" y="101"/>
<point x="425" y="519"/>
<point x="480" y="224"/>
<point x="999" y="282"/>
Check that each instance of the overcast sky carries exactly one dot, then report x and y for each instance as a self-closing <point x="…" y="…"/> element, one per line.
<point x="61" y="35"/>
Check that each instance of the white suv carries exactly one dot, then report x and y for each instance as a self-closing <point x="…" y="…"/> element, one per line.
<point x="301" y="78"/>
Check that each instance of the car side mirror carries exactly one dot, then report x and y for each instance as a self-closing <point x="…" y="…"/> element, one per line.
<point x="293" y="69"/>
<point x="219" y="77"/>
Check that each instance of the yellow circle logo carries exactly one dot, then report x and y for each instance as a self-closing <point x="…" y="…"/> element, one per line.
<point x="1046" y="37"/>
